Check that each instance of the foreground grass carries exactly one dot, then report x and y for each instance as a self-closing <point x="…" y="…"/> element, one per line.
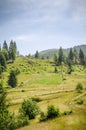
<point x="37" y="79"/>
<point x="76" y="121"/>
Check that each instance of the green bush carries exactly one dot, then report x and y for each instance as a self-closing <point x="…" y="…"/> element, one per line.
<point x="67" y="112"/>
<point x="55" y="70"/>
<point x="30" y="108"/>
<point x="52" y="112"/>
<point x="43" y="117"/>
<point x="17" y="71"/>
<point x="22" y="120"/>
<point x="36" y="99"/>
<point x="79" y="87"/>
<point x="22" y="90"/>
<point x="80" y="102"/>
<point x="7" y="121"/>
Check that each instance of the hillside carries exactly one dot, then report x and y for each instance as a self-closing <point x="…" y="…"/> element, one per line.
<point x="37" y="80"/>
<point x="50" y="53"/>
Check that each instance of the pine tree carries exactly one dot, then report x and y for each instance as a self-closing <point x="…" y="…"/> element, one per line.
<point x="0" y="47"/>
<point x="75" y="56"/>
<point x="60" y="56"/>
<point x="5" y="50"/>
<point x="7" y="120"/>
<point x="81" y="57"/>
<point x="85" y="61"/>
<point x="12" y="81"/>
<point x="70" y="69"/>
<point x="15" y="47"/>
<point x="2" y="61"/>
<point x="37" y="54"/>
<point x="71" y="56"/>
<point x="5" y="46"/>
<point x="12" y="50"/>
<point x="55" y="59"/>
<point x="3" y="105"/>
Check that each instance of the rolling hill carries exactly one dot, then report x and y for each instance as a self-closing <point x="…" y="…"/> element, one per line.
<point x="50" y="52"/>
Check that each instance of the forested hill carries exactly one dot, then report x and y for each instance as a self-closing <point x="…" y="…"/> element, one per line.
<point x="50" y="52"/>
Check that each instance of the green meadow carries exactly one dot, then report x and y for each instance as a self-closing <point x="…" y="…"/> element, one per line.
<point x="38" y="80"/>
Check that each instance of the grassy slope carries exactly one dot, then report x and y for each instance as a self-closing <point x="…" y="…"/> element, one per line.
<point x="37" y="79"/>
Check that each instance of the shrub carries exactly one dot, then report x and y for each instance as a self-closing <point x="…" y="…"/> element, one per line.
<point x="22" y="90"/>
<point x="43" y="117"/>
<point x="67" y="112"/>
<point x="80" y="102"/>
<point x="30" y="108"/>
<point x="7" y="121"/>
<point x="36" y="99"/>
<point x="17" y="71"/>
<point x="55" y="70"/>
<point x="22" y="120"/>
<point x="79" y="87"/>
<point x="52" y="112"/>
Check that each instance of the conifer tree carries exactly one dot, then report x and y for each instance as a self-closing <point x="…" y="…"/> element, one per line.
<point x="75" y="53"/>
<point x="5" y="50"/>
<point x="12" y="81"/>
<point x="5" y="46"/>
<point x="60" y="56"/>
<point x="2" y="61"/>
<point x="12" y="50"/>
<point x="55" y="59"/>
<point x="37" y="54"/>
<point x="7" y="120"/>
<point x="71" y="56"/>
<point x="0" y="47"/>
<point x="81" y="57"/>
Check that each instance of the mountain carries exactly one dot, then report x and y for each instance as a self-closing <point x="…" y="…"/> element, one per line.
<point x="50" y="52"/>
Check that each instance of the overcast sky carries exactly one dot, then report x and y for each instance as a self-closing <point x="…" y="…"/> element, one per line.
<point x="43" y="24"/>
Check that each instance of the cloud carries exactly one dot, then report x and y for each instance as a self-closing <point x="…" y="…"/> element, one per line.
<point x="38" y="11"/>
<point x="78" y="11"/>
<point x="26" y="38"/>
<point x="43" y="23"/>
<point x="29" y="43"/>
<point x="42" y="39"/>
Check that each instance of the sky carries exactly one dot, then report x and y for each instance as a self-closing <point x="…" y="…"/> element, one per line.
<point x="43" y="24"/>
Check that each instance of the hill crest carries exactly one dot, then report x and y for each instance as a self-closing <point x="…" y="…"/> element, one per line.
<point x="50" y="52"/>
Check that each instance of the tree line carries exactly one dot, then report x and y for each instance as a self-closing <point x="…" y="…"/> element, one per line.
<point x="7" y="53"/>
<point x="72" y="58"/>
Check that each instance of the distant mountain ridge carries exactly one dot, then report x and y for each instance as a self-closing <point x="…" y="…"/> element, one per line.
<point x="50" y="52"/>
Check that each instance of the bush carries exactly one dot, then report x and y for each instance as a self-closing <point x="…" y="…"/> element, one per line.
<point x="22" y="90"/>
<point x="7" y="121"/>
<point x="55" y="70"/>
<point x="52" y="112"/>
<point x="22" y="120"/>
<point x="67" y="112"/>
<point x="30" y="108"/>
<point x="79" y="87"/>
<point x="43" y="117"/>
<point x="36" y="99"/>
<point x="80" y="102"/>
<point x="17" y="71"/>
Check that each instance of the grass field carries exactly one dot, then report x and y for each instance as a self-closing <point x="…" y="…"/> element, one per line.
<point x="37" y="79"/>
